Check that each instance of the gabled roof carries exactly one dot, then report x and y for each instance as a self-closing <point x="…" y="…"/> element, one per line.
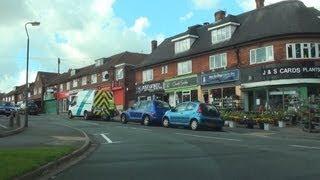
<point x="46" y="76"/>
<point x="126" y="57"/>
<point x="279" y="19"/>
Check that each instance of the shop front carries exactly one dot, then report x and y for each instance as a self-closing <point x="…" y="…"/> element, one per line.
<point x="151" y="91"/>
<point x="182" y="89"/>
<point x="63" y="100"/>
<point x="222" y="88"/>
<point x="118" y="94"/>
<point x="280" y="86"/>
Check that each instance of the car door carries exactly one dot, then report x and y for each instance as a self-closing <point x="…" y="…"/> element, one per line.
<point x="143" y="108"/>
<point x="176" y="116"/>
<point x="188" y="113"/>
<point x="133" y="111"/>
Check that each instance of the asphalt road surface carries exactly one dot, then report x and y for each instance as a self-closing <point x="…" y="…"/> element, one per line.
<point x="135" y="152"/>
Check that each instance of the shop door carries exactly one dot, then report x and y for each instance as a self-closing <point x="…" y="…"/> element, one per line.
<point x="186" y="96"/>
<point x="118" y="97"/>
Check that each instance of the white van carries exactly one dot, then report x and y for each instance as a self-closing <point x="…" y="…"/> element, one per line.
<point x="92" y="103"/>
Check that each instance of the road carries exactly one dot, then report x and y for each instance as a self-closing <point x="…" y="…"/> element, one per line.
<point x="136" y="152"/>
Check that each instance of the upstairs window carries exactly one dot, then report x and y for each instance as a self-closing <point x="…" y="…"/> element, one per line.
<point x="261" y="55"/>
<point x="164" y="69"/>
<point x="119" y="74"/>
<point x="94" y="78"/>
<point x="182" y="46"/>
<point x="61" y="87"/>
<point x="147" y="75"/>
<point x="84" y="80"/>
<point x="68" y="85"/>
<point x="223" y="32"/>
<point x="218" y="61"/>
<point x="73" y="72"/>
<point x="303" y="50"/>
<point x="99" y="62"/>
<point x="105" y="76"/>
<point x="185" y="67"/>
<point x="75" y="83"/>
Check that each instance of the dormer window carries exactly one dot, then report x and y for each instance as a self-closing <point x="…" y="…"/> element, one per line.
<point x="99" y="62"/>
<point x="183" y="43"/>
<point x="73" y="72"/>
<point x="222" y="32"/>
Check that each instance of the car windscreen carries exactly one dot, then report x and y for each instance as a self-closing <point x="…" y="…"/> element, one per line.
<point x="161" y="104"/>
<point x="209" y="110"/>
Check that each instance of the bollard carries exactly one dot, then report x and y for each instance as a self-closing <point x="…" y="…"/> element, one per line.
<point x="11" y="120"/>
<point x="18" y="121"/>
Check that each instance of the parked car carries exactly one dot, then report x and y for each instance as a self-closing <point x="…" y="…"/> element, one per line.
<point x="6" y="108"/>
<point x="194" y="115"/>
<point x="93" y="103"/>
<point x="146" y="112"/>
<point x="33" y="108"/>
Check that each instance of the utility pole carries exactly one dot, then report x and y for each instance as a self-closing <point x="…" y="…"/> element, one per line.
<point x="58" y="89"/>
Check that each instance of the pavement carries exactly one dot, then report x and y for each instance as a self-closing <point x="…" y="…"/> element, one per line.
<point x="132" y="151"/>
<point x="4" y="124"/>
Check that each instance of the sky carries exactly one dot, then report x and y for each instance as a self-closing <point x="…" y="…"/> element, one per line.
<point x="80" y="31"/>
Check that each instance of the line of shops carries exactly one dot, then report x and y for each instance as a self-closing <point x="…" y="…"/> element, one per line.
<point x="272" y="86"/>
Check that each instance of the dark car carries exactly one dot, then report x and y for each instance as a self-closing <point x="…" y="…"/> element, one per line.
<point x="33" y="108"/>
<point x="146" y="112"/>
<point x="194" y="115"/>
<point x="7" y="108"/>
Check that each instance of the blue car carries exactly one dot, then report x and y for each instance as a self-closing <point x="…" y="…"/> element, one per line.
<point x="146" y="112"/>
<point x="194" y="115"/>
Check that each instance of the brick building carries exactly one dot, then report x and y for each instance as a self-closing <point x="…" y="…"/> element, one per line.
<point x="114" y="73"/>
<point x="268" y="56"/>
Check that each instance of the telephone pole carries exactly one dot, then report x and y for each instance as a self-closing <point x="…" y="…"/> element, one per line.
<point x="58" y="88"/>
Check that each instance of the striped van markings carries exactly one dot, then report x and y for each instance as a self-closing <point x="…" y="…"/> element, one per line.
<point x="83" y="102"/>
<point x="101" y="101"/>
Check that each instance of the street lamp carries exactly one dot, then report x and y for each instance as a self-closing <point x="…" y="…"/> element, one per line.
<point x="27" y="70"/>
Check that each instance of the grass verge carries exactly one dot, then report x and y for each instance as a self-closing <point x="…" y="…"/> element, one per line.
<point x="18" y="161"/>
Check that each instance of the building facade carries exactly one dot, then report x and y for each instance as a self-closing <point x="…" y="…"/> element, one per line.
<point x="266" y="57"/>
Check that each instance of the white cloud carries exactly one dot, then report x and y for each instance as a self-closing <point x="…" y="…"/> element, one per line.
<point x="251" y="4"/>
<point x="205" y="4"/>
<point x="91" y="30"/>
<point x="187" y="16"/>
<point x="140" y="24"/>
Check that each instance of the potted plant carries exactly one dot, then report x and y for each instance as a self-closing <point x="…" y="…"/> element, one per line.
<point x="249" y="120"/>
<point x="258" y="119"/>
<point x="234" y="118"/>
<point x="280" y="116"/>
<point x="267" y="119"/>
<point x="225" y="116"/>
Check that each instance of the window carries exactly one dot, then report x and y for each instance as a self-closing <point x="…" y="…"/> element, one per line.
<point x="68" y="85"/>
<point x="182" y="46"/>
<point x="39" y="90"/>
<point x="119" y="73"/>
<point x="75" y="83"/>
<point x="260" y="55"/>
<point x="99" y="62"/>
<point x="35" y="91"/>
<point x="84" y="80"/>
<point x="61" y="87"/>
<point x="303" y="50"/>
<point x="105" y="76"/>
<point x="147" y="75"/>
<point x="94" y="78"/>
<point x="218" y="61"/>
<point x="184" y="67"/>
<point x="73" y="72"/>
<point x="164" y="69"/>
<point x="222" y="34"/>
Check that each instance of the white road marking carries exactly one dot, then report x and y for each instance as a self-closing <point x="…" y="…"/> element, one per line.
<point x="96" y="124"/>
<point x="100" y="134"/>
<point x="3" y="126"/>
<point x="106" y="138"/>
<point x="209" y="137"/>
<point x="305" y="147"/>
<point x="143" y="129"/>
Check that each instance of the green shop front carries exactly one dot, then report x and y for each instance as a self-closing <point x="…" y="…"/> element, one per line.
<point x="182" y="89"/>
<point x="280" y="86"/>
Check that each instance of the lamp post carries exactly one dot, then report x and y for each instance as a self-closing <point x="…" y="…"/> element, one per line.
<point x="27" y="70"/>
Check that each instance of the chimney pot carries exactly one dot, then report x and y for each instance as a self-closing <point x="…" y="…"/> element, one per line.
<point x="259" y="4"/>
<point x="219" y="15"/>
<point x="154" y="45"/>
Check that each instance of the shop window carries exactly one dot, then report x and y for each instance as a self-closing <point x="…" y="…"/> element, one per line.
<point x="147" y="75"/>
<point x="218" y="61"/>
<point x="303" y="50"/>
<point x="185" y="67"/>
<point x="260" y="55"/>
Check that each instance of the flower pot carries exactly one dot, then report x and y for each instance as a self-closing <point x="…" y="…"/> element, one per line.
<point x="282" y="124"/>
<point x="261" y="126"/>
<point x="232" y="124"/>
<point x="226" y="123"/>
<point x="266" y="126"/>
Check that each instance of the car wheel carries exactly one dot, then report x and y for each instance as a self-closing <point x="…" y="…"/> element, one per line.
<point x="165" y="122"/>
<point x="194" y="125"/>
<point x="86" y="115"/>
<point x="70" y="115"/>
<point x="146" y="121"/>
<point x="124" y="119"/>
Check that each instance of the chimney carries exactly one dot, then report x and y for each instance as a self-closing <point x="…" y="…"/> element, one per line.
<point x="219" y="15"/>
<point x="259" y="4"/>
<point x="154" y="45"/>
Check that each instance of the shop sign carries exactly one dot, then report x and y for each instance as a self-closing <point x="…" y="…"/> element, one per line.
<point x="180" y="83"/>
<point x="220" y="77"/>
<point x="290" y="70"/>
<point x="150" y="87"/>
